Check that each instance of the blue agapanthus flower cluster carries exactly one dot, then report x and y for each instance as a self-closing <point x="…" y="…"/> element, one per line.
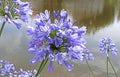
<point x="107" y="47"/>
<point x="8" y="69"/>
<point x="58" y="40"/>
<point x="13" y="10"/>
<point x="23" y="73"/>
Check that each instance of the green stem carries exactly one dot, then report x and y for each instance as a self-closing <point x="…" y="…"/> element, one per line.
<point x="3" y="24"/>
<point x="113" y="67"/>
<point x="42" y="65"/>
<point x="90" y="69"/>
<point x="107" y="66"/>
<point x="39" y="68"/>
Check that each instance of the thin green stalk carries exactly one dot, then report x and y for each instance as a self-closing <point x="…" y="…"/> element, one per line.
<point x="3" y="24"/>
<point x="107" y="66"/>
<point x="39" y="68"/>
<point x="113" y="67"/>
<point x="42" y="65"/>
<point x="90" y="69"/>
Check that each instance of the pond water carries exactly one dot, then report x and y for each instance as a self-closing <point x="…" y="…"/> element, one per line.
<point x="102" y="19"/>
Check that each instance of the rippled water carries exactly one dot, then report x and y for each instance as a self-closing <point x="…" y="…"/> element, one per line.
<point x="102" y="19"/>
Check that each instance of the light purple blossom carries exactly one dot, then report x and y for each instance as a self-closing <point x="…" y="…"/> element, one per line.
<point x="8" y="69"/>
<point x="15" y="10"/>
<point x="107" y="47"/>
<point x="58" y="40"/>
<point x="88" y="55"/>
<point x="50" y="67"/>
<point x="28" y="73"/>
<point x="63" y="14"/>
<point x="68" y="65"/>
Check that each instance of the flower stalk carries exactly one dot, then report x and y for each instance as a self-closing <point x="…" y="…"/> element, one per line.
<point x="42" y="65"/>
<point x="112" y="67"/>
<point x="107" y="66"/>
<point x="2" y="27"/>
<point x="90" y="68"/>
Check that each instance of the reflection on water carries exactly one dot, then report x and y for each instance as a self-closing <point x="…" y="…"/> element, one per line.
<point x="41" y="5"/>
<point x="102" y="18"/>
<point x="119" y="9"/>
<point x="94" y="14"/>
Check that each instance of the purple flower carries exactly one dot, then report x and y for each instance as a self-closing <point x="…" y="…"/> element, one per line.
<point x="63" y="14"/>
<point x="6" y="9"/>
<point x="60" y="14"/>
<point x="46" y="15"/>
<point x="88" y="55"/>
<point x="18" y="25"/>
<point x="50" y="67"/>
<point x="15" y="10"/>
<point x="60" y="58"/>
<point x="59" y="41"/>
<point x="8" y="69"/>
<point x="68" y="65"/>
<point x="107" y="47"/>
<point x="56" y="14"/>
<point x="28" y="73"/>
